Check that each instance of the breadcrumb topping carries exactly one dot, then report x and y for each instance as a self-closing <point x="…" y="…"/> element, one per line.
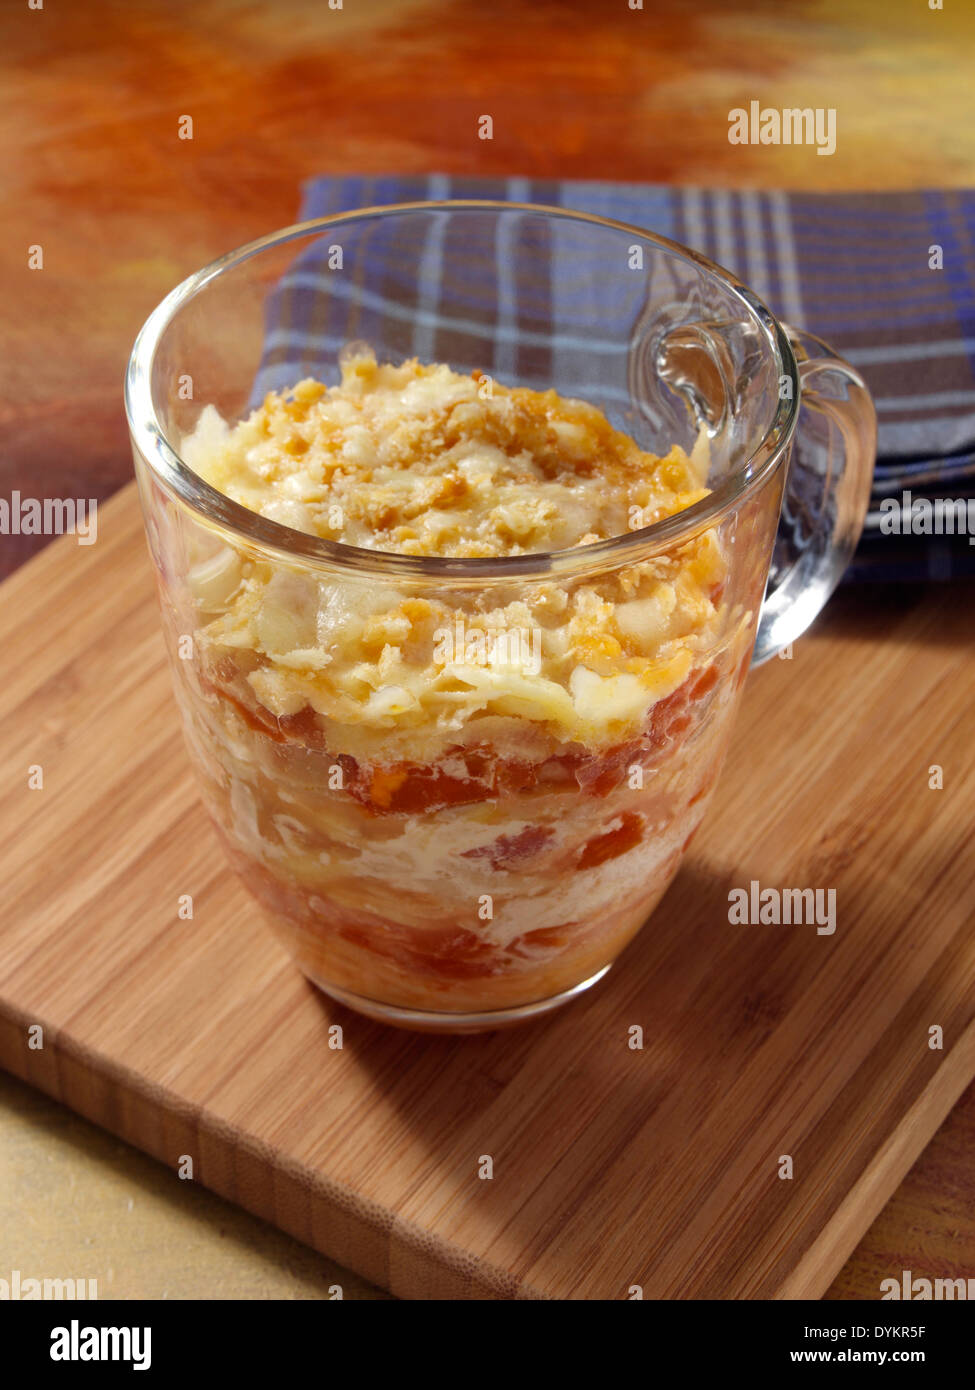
<point x="421" y="460"/>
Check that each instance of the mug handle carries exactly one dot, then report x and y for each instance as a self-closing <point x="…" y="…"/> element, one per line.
<point x="827" y="489"/>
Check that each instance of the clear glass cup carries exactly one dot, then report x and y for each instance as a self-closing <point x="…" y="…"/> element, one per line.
<point x="455" y="878"/>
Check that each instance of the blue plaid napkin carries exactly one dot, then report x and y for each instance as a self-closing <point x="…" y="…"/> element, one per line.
<point x="853" y="268"/>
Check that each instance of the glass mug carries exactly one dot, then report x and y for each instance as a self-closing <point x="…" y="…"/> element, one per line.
<point x="455" y="877"/>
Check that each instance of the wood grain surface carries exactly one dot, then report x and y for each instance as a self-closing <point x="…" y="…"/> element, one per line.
<point x="94" y="172"/>
<point x="613" y="1167"/>
<point x="78" y="1203"/>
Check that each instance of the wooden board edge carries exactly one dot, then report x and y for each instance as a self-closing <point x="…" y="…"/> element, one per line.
<point x="828" y="1253"/>
<point x="395" y="1255"/>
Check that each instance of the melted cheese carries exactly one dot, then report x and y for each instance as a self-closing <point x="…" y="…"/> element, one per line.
<point x="420" y="460"/>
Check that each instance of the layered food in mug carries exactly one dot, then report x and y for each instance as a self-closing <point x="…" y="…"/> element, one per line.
<point x="454" y="796"/>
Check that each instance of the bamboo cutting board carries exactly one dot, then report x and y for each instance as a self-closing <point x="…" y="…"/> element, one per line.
<point x="613" y="1167"/>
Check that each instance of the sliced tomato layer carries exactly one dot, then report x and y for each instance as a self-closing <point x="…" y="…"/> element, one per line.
<point x="479" y="773"/>
<point x="451" y="953"/>
<point x="612" y="843"/>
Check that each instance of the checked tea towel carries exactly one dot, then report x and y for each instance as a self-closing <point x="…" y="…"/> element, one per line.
<point x="856" y="269"/>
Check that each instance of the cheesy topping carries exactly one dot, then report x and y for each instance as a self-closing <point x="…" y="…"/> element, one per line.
<point x="421" y="460"/>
